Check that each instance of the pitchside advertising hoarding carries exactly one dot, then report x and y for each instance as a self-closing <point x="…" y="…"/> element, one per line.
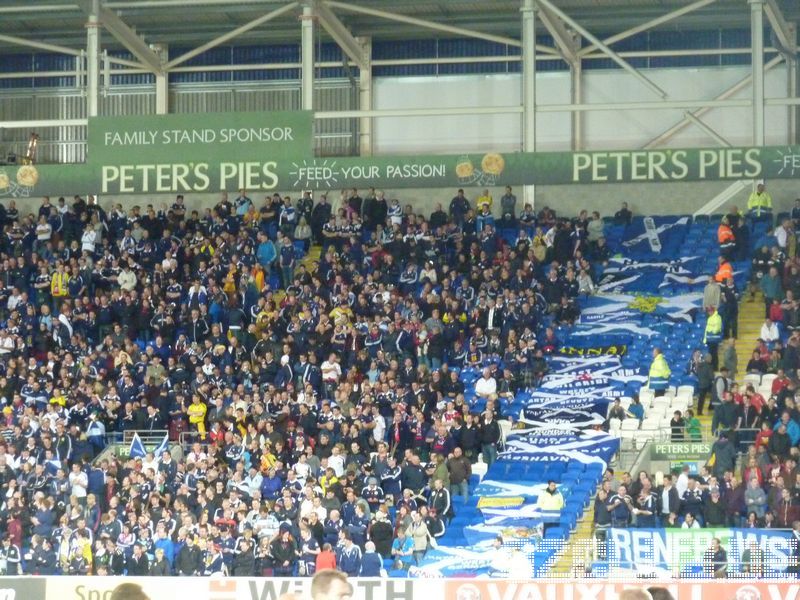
<point x="234" y="588"/>
<point x="269" y="151"/>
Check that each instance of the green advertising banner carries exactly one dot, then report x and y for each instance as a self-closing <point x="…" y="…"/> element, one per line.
<point x="680" y="451"/>
<point x="199" y="138"/>
<point x="195" y="167"/>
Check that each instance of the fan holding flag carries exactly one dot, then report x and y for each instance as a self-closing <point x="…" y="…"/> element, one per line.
<point x="137" y="449"/>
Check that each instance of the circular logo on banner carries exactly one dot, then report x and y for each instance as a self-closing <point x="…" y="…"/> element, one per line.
<point x="468" y="591"/>
<point x="748" y="592"/>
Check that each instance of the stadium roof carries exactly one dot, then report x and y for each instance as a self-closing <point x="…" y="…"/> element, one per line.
<point x="193" y="22"/>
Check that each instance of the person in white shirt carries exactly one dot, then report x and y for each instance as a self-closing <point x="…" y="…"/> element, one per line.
<point x="336" y="461"/>
<point x="682" y="484"/>
<point x="331" y="372"/>
<point x="150" y="462"/>
<point x="770" y="332"/>
<point x="78" y="482"/>
<point x="690" y="522"/>
<point x="782" y="234"/>
<point x="486" y="385"/>
<point x="6" y="343"/>
<point x="43" y="230"/>
<point x="380" y="425"/>
<point x="126" y="279"/>
<point x="89" y="239"/>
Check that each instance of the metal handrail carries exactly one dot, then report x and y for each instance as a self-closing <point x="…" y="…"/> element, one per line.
<point x="148" y="436"/>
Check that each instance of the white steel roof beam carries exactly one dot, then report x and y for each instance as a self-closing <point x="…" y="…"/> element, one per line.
<point x="231" y="34"/>
<point x="649" y="25"/>
<point x="563" y="38"/>
<point x="126" y="36"/>
<point x="38" y="45"/>
<point x="602" y="47"/>
<point x="340" y="34"/>
<point x="425" y="24"/>
<point x="781" y="27"/>
<point x="702" y="125"/>
<point x="731" y="91"/>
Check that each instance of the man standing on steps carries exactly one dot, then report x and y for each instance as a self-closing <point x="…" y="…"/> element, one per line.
<point x="711" y="294"/>
<point x="713" y="335"/>
<point x="721" y="386"/>
<point x="730" y="318"/>
<point x="705" y="381"/>
<point x="729" y="359"/>
<point x="772" y="288"/>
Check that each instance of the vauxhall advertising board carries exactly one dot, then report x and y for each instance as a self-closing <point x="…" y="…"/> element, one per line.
<point x="273" y="151"/>
<point x="265" y="588"/>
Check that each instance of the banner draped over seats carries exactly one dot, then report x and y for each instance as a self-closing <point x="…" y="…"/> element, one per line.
<point x="650" y="297"/>
<point x="670" y="231"/>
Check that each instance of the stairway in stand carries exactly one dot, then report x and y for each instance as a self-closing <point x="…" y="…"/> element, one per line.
<point x="751" y="318"/>
<point x="578" y="552"/>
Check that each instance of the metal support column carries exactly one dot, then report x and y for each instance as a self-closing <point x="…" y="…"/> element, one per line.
<point x="307" y="57"/>
<point x="576" y="97"/>
<point x="162" y="81"/>
<point x="528" y="86"/>
<point x="365" y="97"/>
<point x="757" y="47"/>
<point x="93" y="60"/>
<point x="792" y="71"/>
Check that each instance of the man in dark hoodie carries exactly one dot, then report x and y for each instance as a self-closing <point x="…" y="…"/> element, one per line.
<point x="723" y="453"/>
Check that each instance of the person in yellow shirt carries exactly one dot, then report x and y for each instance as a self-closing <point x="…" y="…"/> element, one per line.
<point x="341" y="315"/>
<point x="58" y="283"/>
<point x="484" y="205"/>
<point x="197" y="416"/>
<point x="659" y="373"/>
<point x="328" y="479"/>
<point x="551" y="498"/>
<point x="759" y="204"/>
<point x="713" y="335"/>
<point x="58" y="398"/>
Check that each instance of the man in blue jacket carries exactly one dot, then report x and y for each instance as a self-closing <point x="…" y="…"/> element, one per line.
<point x="266" y="253"/>
<point x="349" y="559"/>
<point x="371" y="562"/>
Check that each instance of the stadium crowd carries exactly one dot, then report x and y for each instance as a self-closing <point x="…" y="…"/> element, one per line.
<point x="751" y="477"/>
<point x="321" y="413"/>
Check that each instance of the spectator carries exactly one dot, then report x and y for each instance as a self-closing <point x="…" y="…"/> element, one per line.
<point x="677" y="426"/>
<point x="371" y="563"/>
<point x="419" y="535"/>
<point x="755" y="499"/>
<point x="402" y="550"/>
<point x="715" y="560"/>
<point x="659" y="373"/>
<point x="714" y="511"/>
<point x="690" y="522"/>
<point x="620" y="506"/>
<point x="551" y="499"/>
